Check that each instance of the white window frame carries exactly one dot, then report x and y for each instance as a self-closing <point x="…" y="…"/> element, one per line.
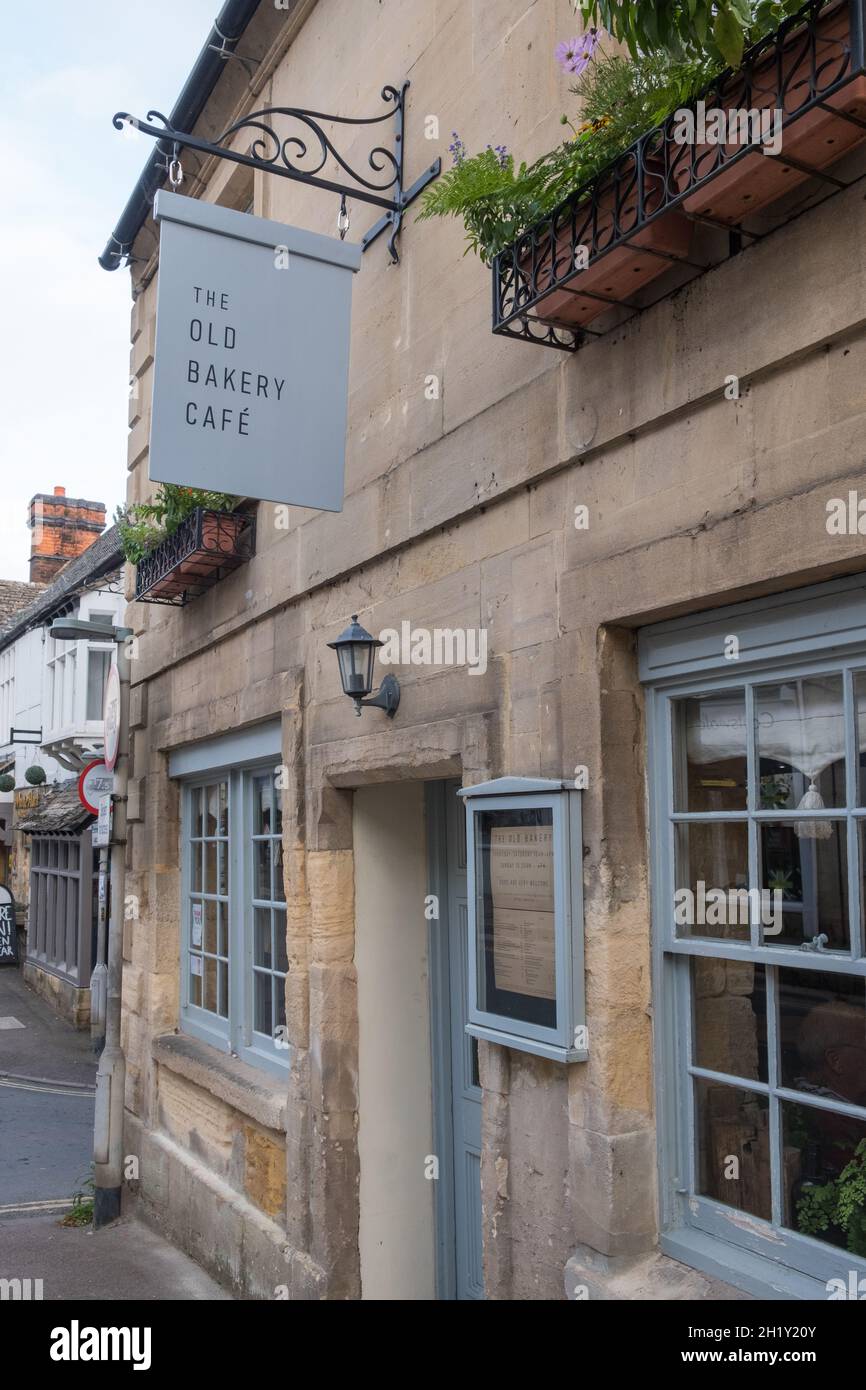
<point x="815" y="630"/>
<point x="235" y="760"/>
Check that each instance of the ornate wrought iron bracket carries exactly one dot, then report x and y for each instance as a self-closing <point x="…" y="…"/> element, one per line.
<point x="287" y="155"/>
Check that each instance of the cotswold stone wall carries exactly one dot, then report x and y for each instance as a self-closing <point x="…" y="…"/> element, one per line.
<point x="460" y="513"/>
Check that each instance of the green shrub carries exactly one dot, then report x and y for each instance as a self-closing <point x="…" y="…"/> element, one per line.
<point x="143" y="525"/>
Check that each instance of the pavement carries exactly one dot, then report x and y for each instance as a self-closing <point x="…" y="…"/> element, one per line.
<point x="47" y="1079"/>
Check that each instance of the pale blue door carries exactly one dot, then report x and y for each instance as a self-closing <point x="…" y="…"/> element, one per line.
<point x="465" y="1097"/>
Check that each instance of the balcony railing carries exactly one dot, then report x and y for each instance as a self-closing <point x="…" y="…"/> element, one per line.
<point x="206" y="546"/>
<point x="617" y="233"/>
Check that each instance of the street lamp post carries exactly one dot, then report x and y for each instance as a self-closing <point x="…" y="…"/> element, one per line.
<point x="111" y="1073"/>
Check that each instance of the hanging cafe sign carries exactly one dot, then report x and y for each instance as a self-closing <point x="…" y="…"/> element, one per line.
<point x="251" y="363"/>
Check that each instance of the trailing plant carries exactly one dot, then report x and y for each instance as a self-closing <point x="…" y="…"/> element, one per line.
<point x="717" y="29"/>
<point x="840" y="1203"/>
<point x="144" y="525"/>
<point x="621" y="99"/>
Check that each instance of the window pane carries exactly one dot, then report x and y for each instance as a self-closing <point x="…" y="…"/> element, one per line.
<point x="223" y="878"/>
<point x="210" y="984"/>
<point x="279" y="885"/>
<point x="516" y="936"/>
<point x="195" y="968"/>
<point x="804" y="865"/>
<point x="98" y="666"/>
<point x="733" y="1147"/>
<point x="195" y="805"/>
<point x="210" y="867"/>
<point x="860" y="707"/>
<point x="262" y="1012"/>
<point x="196" y="852"/>
<point x="223" y="979"/>
<point x="822" y="1025"/>
<point x="730" y="1017"/>
<point x="278" y="810"/>
<point x="262" y="869"/>
<point x="223" y="809"/>
<point x="279" y="1001"/>
<point x="223" y="921"/>
<point x="712" y="880"/>
<point x="800" y="733"/>
<point x="825" y="1176"/>
<point x="262" y="805"/>
<point x="262" y="954"/>
<point x="710" y="741"/>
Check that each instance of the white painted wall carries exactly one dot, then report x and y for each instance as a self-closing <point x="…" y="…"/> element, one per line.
<point x="397" y="1231"/>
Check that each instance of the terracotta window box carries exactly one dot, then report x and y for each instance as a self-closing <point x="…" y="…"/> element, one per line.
<point x="617" y="234"/>
<point x="206" y="546"/>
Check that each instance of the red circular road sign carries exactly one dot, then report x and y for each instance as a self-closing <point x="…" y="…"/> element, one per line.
<point x="111" y="716"/>
<point x="95" y="782"/>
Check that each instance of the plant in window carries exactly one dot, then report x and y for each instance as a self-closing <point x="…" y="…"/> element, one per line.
<point x="839" y="1204"/>
<point x="144" y="525"/>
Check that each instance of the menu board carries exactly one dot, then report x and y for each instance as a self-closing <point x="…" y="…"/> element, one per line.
<point x="522" y="909"/>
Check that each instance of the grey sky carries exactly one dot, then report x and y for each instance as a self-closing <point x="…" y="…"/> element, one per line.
<point x="67" y="173"/>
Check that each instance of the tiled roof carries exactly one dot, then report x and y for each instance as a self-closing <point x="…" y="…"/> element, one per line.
<point x="59" y="812"/>
<point x="15" y="595"/>
<point x="101" y="558"/>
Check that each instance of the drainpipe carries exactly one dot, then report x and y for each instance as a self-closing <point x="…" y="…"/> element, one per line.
<point x="111" y="1074"/>
<point x="228" y="29"/>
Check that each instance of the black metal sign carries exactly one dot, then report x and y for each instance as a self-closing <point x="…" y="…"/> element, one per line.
<point x="8" y="929"/>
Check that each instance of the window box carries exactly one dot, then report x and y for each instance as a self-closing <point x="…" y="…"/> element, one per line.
<point x="803" y="62"/>
<point x="634" y="219"/>
<point x="204" y="548"/>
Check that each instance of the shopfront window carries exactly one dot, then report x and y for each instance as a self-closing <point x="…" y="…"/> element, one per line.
<point x="758" y="828"/>
<point x="235" y="959"/>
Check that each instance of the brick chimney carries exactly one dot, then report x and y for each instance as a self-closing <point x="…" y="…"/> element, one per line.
<point x="62" y="528"/>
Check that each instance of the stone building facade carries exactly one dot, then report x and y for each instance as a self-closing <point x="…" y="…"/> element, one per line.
<point x="303" y="1173"/>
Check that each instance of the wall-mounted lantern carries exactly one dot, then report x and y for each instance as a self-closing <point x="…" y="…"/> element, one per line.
<point x="356" y="653"/>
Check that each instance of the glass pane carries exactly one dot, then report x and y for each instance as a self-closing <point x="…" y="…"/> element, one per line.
<point x="262" y="869"/>
<point x="223" y="921"/>
<point x="279" y="1001"/>
<point x="733" y="1147"/>
<point x="710" y="741"/>
<point x="278" y="810"/>
<point x="223" y="879"/>
<point x="825" y="1176"/>
<point x="279" y="885"/>
<point x="804" y="867"/>
<point x="210" y="984"/>
<point x="860" y="734"/>
<point x="212" y="810"/>
<point x="223" y="809"/>
<point x="712" y="880"/>
<point x="281" y="960"/>
<point x="195" y="980"/>
<point x="262" y="953"/>
<point x="196" y="852"/>
<point x="262" y="1011"/>
<point x="822" y="1027"/>
<point x="210" y="866"/>
<point x="98" y="665"/>
<point x="210" y="927"/>
<point x="800" y="733"/>
<point x="223" y="979"/>
<point x="730" y="1017"/>
<point x="516" y="932"/>
<point x="262" y="805"/>
<point x="195" y="805"/>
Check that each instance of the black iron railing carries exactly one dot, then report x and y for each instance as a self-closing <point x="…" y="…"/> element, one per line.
<point x="796" y="69"/>
<point x="206" y="546"/>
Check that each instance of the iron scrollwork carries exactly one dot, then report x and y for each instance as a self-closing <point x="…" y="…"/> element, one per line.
<point x="303" y="155"/>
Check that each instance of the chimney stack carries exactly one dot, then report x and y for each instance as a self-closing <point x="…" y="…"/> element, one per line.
<point x="63" y="527"/>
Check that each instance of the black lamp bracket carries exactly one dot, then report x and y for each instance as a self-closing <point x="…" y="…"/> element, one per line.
<point x="276" y="147"/>
<point x="387" y="697"/>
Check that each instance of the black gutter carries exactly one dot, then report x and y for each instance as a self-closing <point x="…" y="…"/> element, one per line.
<point x="228" y="29"/>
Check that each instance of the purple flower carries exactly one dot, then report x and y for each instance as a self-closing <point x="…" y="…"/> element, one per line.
<point x="574" y="55"/>
<point x="457" y="149"/>
<point x="501" y="152"/>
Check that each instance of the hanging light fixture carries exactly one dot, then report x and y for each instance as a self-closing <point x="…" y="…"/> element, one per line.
<point x="356" y="653"/>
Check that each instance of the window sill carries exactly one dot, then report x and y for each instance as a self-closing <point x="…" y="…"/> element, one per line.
<point x="259" y="1096"/>
<point x="761" y="1277"/>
